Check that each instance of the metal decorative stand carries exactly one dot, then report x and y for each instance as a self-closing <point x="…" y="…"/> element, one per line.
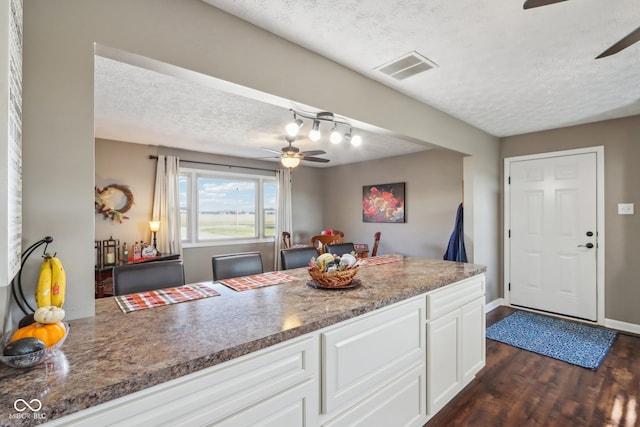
<point x="17" y="281"/>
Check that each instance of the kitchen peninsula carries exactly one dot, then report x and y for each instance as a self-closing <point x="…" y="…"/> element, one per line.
<point x="401" y="344"/>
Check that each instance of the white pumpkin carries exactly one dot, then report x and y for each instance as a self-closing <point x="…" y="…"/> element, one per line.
<point x="49" y="314"/>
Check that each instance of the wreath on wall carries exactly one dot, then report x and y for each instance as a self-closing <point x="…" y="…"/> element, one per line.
<point x="105" y="207"/>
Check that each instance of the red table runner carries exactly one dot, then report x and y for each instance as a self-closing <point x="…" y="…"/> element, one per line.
<point x="258" y="281"/>
<point x="160" y="297"/>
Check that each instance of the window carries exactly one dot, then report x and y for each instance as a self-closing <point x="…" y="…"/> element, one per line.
<point x="225" y="207"/>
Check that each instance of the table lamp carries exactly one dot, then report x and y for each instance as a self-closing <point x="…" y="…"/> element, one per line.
<point x="154" y="226"/>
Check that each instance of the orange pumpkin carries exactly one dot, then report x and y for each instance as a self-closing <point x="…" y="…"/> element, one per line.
<point x="49" y="333"/>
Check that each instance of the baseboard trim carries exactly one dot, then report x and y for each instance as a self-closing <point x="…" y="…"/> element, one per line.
<point x="622" y="326"/>
<point x="493" y="304"/>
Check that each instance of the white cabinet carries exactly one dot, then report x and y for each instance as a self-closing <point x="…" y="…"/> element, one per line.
<point x="373" y="368"/>
<point x="277" y="386"/>
<point x="455" y="339"/>
<point x="394" y="366"/>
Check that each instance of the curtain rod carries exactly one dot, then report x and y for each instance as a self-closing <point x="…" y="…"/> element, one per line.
<point x="152" y="157"/>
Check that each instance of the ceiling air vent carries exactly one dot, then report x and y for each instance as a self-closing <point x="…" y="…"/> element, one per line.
<point x="406" y="66"/>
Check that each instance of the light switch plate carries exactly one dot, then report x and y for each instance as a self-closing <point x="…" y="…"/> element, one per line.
<point x="625" y="208"/>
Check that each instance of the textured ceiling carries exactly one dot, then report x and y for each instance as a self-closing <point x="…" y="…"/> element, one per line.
<point x="138" y="105"/>
<point x="501" y="68"/>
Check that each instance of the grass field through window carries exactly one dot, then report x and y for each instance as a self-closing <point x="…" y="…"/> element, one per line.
<point x="231" y="225"/>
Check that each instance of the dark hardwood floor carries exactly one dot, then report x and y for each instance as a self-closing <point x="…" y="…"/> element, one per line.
<point x="520" y="388"/>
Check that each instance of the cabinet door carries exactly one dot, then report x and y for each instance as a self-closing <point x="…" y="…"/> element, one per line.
<point x="292" y="408"/>
<point x="444" y="370"/>
<point x="400" y="403"/>
<point x="363" y="355"/>
<point x="473" y="339"/>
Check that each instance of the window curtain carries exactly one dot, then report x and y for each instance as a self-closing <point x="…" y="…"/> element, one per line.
<point x="166" y="205"/>
<point x="284" y="221"/>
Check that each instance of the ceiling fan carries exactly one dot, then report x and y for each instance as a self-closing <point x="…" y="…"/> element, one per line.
<point x="291" y="156"/>
<point x="623" y="43"/>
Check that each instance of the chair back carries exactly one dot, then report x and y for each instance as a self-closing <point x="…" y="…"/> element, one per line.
<point x="376" y="242"/>
<point x="147" y="276"/>
<point x="341" y="248"/>
<point x="236" y="265"/>
<point x="286" y="240"/>
<point x="319" y="241"/>
<point x="297" y="257"/>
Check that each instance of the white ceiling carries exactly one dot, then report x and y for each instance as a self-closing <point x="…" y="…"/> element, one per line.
<point x="501" y="68"/>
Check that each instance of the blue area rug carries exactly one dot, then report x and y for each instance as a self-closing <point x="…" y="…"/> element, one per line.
<point x="570" y="342"/>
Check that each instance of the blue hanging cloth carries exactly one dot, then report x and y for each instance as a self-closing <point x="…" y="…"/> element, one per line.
<point x="455" y="249"/>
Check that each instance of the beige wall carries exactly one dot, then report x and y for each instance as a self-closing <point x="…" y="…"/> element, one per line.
<point x="58" y="140"/>
<point x="433" y="185"/>
<point x="126" y="163"/>
<point x="433" y="190"/>
<point x="621" y="141"/>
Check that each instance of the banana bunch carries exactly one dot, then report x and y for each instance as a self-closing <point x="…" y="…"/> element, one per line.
<point x="52" y="283"/>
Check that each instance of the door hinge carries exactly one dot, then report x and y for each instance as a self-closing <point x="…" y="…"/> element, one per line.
<point x="509" y="180"/>
<point x="509" y="233"/>
<point x="509" y="286"/>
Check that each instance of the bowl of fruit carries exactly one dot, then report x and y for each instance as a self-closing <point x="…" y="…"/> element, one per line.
<point x="38" y="337"/>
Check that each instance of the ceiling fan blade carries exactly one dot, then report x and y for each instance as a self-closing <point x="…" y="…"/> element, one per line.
<point x="624" y="43"/>
<point x="272" y="151"/>
<point x="313" y="152"/>
<point x="316" y="159"/>
<point x="530" y="4"/>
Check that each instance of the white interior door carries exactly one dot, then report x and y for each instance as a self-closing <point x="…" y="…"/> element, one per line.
<point x="552" y="220"/>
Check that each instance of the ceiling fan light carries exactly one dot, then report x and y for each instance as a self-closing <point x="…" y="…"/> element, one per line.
<point x="335" y="137"/>
<point x="314" y="135"/>
<point x="356" y="140"/>
<point x="290" y="161"/>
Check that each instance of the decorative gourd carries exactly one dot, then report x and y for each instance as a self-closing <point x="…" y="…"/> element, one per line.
<point x="49" y="314"/>
<point x="49" y="333"/>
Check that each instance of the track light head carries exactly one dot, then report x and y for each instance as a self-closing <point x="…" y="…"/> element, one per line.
<point x="293" y="127"/>
<point x="335" y="137"/>
<point x="314" y="135"/>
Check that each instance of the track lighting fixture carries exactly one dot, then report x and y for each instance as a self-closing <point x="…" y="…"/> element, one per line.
<point x="315" y="134"/>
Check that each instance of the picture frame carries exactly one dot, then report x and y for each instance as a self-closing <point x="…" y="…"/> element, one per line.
<point x="384" y="203"/>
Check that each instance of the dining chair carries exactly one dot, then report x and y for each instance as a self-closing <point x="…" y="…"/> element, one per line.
<point x="286" y="240"/>
<point x="297" y="257"/>
<point x="319" y="241"/>
<point x="236" y="265"/>
<point x="376" y="242"/>
<point x="341" y="248"/>
<point x="338" y="232"/>
<point x="147" y="276"/>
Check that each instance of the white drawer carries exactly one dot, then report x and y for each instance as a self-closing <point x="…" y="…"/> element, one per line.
<point x="454" y="296"/>
<point x="366" y="353"/>
<point x="403" y="401"/>
<point x="213" y="393"/>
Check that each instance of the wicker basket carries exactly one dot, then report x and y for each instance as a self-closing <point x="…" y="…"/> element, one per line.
<point x="334" y="279"/>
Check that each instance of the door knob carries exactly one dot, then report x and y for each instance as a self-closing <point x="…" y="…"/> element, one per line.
<point x="588" y="246"/>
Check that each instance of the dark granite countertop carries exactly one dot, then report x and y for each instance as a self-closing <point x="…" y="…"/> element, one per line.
<point x="114" y="354"/>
